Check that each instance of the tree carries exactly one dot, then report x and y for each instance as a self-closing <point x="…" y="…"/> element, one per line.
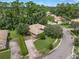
<point x="41" y="36"/>
<point x="66" y="10"/>
<point x="35" y="13"/>
<point x="75" y="25"/>
<point x="54" y="31"/>
<point x="76" y="41"/>
<point x="22" y="28"/>
<point x="50" y="18"/>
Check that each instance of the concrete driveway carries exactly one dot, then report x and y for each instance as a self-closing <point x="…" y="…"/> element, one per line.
<point x="65" y="49"/>
<point x="15" y="50"/>
<point x="33" y="53"/>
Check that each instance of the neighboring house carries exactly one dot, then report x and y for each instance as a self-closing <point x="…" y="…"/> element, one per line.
<point x="75" y="20"/>
<point x="57" y="19"/>
<point x="36" y="29"/>
<point x="75" y="23"/>
<point x="48" y="13"/>
<point x="3" y="39"/>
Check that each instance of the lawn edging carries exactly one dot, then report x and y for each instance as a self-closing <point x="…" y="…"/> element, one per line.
<point x="56" y="46"/>
<point x="4" y="51"/>
<point x="5" y="54"/>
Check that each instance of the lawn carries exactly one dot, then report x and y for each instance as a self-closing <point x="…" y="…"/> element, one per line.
<point x="13" y="34"/>
<point x="44" y="46"/>
<point x="5" y="54"/>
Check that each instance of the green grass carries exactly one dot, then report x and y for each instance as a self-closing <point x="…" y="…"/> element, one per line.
<point x="44" y="45"/>
<point x="66" y="25"/>
<point x="5" y="54"/>
<point x="13" y="34"/>
<point x="22" y="45"/>
<point x="26" y="57"/>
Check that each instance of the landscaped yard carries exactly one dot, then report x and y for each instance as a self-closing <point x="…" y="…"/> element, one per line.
<point x="44" y="46"/>
<point x="5" y="54"/>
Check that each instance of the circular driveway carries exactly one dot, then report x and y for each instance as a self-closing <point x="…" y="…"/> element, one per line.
<point x="65" y="48"/>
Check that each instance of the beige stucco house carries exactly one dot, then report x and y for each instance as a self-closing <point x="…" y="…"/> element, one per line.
<point x="36" y="29"/>
<point x="57" y="19"/>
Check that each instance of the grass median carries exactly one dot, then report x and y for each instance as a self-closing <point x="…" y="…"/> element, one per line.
<point x="5" y="54"/>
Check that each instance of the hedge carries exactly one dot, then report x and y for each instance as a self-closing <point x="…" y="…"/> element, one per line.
<point x="22" y="45"/>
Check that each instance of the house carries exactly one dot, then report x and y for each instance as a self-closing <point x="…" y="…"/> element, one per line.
<point x="57" y="19"/>
<point x="75" y="20"/>
<point x="3" y="39"/>
<point x="75" y="23"/>
<point x="36" y="29"/>
<point x="48" y="13"/>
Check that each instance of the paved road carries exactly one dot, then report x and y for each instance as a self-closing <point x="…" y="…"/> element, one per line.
<point x="65" y="49"/>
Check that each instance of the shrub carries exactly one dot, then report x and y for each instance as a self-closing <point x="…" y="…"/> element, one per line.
<point x="76" y="41"/>
<point x="22" y="28"/>
<point x="50" y="47"/>
<point x="54" y="31"/>
<point x="41" y="36"/>
<point x="50" y="18"/>
<point x="76" y="32"/>
<point x="75" y="24"/>
<point x="13" y="34"/>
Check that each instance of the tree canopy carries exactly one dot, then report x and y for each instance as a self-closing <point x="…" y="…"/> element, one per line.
<point x="13" y="13"/>
<point x="54" y="31"/>
<point x="66" y="10"/>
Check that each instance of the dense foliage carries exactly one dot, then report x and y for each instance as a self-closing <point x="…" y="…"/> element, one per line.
<point x="22" y="28"/>
<point x="41" y="36"/>
<point x="11" y="14"/>
<point x="68" y="11"/>
<point x="35" y="13"/>
<point x="54" y="31"/>
<point x="75" y="24"/>
<point x="76" y="41"/>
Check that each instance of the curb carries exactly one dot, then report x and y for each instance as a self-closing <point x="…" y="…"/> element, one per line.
<point x="4" y="51"/>
<point x="55" y="47"/>
<point x="72" y="52"/>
